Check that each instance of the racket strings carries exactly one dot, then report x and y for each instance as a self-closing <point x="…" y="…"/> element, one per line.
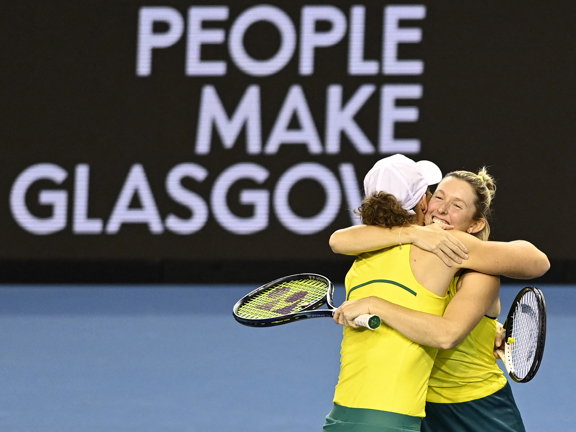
<point x="283" y="299"/>
<point x="525" y="331"/>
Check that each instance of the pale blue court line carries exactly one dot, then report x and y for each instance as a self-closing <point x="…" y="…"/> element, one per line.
<point x="165" y="358"/>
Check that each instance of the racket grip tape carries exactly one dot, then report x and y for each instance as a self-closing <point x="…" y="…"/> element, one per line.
<point x="504" y="353"/>
<point x="369" y="321"/>
<point x="506" y="356"/>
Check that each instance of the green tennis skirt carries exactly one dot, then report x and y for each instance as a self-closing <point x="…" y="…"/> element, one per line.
<point x="497" y="412"/>
<point x="344" y="419"/>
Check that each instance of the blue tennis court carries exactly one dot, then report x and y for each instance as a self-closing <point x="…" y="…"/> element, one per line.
<point x="172" y="358"/>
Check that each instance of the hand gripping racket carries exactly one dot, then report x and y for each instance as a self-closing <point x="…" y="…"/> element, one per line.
<point x="524" y="335"/>
<point x="292" y="298"/>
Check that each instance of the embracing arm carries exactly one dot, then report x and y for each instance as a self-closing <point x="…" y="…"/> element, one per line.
<point x="367" y="238"/>
<point x="477" y="293"/>
<point x="516" y="259"/>
<point x="358" y="239"/>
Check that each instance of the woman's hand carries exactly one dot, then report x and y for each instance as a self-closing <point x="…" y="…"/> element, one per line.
<point x="349" y="310"/>
<point x="499" y="340"/>
<point x="435" y="238"/>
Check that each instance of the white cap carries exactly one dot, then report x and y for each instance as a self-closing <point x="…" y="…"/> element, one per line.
<point x="402" y="177"/>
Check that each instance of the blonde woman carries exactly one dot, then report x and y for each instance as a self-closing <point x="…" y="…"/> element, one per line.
<point x="384" y="376"/>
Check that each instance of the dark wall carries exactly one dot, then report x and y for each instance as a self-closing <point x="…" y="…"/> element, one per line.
<point x="171" y="142"/>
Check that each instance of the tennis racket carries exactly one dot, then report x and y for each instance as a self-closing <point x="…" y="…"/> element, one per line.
<point x="524" y="335"/>
<point x="292" y="298"/>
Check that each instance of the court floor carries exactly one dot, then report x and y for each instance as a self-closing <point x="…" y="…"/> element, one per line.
<point x="172" y="358"/>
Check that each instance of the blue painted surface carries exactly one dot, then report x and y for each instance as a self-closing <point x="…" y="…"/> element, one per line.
<point x="166" y="358"/>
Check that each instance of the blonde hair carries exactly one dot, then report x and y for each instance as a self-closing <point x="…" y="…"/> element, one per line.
<point x="383" y="209"/>
<point x="484" y="187"/>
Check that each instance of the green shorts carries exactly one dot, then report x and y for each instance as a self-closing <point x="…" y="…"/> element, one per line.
<point x="344" y="419"/>
<point x="497" y="412"/>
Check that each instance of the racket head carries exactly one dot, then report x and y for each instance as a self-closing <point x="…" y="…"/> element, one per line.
<point x="285" y="300"/>
<point x="526" y="334"/>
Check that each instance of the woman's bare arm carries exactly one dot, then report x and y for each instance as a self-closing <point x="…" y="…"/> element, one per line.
<point x="516" y="259"/>
<point x="477" y="293"/>
<point x="358" y="239"/>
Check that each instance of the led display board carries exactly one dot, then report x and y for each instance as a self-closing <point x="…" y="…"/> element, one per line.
<point x="228" y="132"/>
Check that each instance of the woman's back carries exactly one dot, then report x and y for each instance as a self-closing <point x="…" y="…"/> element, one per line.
<point x="382" y="369"/>
<point x="430" y="271"/>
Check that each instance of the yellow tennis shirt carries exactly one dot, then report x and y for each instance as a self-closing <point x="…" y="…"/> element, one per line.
<point x="469" y="371"/>
<point x="381" y="369"/>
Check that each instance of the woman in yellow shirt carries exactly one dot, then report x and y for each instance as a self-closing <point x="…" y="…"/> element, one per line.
<point x="467" y="371"/>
